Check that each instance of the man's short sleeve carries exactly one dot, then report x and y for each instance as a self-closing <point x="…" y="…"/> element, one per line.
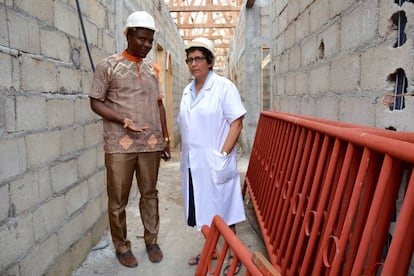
<point x="101" y="81"/>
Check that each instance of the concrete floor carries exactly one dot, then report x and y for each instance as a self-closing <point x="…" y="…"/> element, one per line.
<point x="177" y="241"/>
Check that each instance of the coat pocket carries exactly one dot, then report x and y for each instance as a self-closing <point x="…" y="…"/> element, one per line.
<point x="225" y="169"/>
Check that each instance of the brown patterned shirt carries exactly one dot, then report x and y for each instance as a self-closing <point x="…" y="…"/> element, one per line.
<point x="130" y="86"/>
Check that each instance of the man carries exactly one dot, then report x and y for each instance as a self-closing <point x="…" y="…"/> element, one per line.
<point x="126" y="93"/>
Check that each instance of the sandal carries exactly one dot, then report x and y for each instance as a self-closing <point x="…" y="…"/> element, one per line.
<point x="227" y="267"/>
<point x="196" y="259"/>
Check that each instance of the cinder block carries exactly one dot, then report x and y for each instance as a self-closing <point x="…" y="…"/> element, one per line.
<point x="328" y="107"/>
<point x="294" y="58"/>
<point x="307" y="106"/>
<point x="92" y="32"/>
<point x="40" y="258"/>
<point x="66" y="19"/>
<point x="76" y="137"/>
<point x="290" y="84"/>
<point x="345" y="73"/>
<point x="69" y="79"/>
<point x="303" y="4"/>
<point x="97" y="13"/>
<point x="70" y="233"/>
<point x="319" y="80"/>
<point x="4" y="202"/>
<point x="338" y="7"/>
<point x="91" y="212"/>
<point x="63" y="175"/>
<point x="17" y="237"/>
<point x="302" y="80"/>
<point x="292" y="11"/>
<point x="330" y="38"/>
<point x="60" y="112"/>
<point x="100" y="157"/>
<point x="72" y="258"/>
<point x="282" y="20"/>
<point x="86" y="82"/>
<point x="3" y="28"/>
<point x="12" y="158"/>
<point x="30" y="112"/>
<point x="83" y="111"/>
<point x="97" y="184"/>
<point x="98" y="230"/>
<point x="41" y="9"/>
<point x="59" y="49"/>
<point x="280" y="86"/>
<point x="24" y="193"/>
<point x="309" y="51"/>
<point x="319" y="14"/>
<point x="280" y="5"/>
<point x="37" y="75"/>
<point x="28" y="39"/>
<point x="42" y="148"/>
<point x="48" y="217"/>
<point x="45" y="187"/>
<point x="12" y="271"/>
<point x="108" y="42"/>
<point x="290" y="37"/>
<point x="350" y="109"/>
<point x="93" y="134"/>
<point x="359" y="26"/>
<point x="87" y="163"/>
<point x="76" y="197"/>
<point x="302" y="26"/>
<point x="6" y="69"/>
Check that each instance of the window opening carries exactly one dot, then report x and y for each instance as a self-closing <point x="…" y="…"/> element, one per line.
<point x="399" y="20"/>
<point x="396" y="101"/>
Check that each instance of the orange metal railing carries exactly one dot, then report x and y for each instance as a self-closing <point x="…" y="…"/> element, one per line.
<point x="326" y="195"/>
<point x="212" y="247"/>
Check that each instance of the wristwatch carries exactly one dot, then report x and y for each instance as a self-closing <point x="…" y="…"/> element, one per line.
<point x="224" y="153"/>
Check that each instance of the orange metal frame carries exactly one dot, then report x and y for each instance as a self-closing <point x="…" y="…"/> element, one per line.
<point x="325" y="194"/>
<point x="212" y="247"/>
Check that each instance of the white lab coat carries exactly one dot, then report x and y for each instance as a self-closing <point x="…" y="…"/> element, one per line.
<point x="204" y="125"/>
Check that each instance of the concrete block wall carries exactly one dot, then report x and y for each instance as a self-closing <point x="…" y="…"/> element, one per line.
<point x="52" y="176"/>
<point x="336" y="60"/>
<point x="244" y="65"/>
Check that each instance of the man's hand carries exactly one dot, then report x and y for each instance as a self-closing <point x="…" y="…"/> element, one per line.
<point x="129" y="124"/>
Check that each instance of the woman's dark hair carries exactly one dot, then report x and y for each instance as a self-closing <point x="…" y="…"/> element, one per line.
<point x="209" y="56"/>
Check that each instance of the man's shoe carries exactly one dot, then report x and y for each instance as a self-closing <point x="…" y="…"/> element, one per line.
<point x="127" y="259"/>
<point x="154" y="253"/>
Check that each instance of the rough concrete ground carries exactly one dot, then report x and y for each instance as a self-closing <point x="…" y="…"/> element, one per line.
<point x="177" y="241"/>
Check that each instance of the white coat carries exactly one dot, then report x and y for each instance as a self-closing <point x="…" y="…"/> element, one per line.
<point x="204" y="125"/>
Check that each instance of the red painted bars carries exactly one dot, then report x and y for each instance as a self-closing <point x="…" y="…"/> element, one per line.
<point x="325" y="192"/>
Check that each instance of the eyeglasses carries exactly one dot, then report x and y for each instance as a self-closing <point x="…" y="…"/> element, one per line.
<point x="196" y="59"/>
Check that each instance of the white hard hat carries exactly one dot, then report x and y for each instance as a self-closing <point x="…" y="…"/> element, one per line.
<point x="203" y="43"/>
<point x="140" y="19"/>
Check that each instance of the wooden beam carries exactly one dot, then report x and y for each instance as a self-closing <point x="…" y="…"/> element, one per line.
<point x="206" y="25"/>
<point x="211" y="37"/>
<point x="204" y="8"/>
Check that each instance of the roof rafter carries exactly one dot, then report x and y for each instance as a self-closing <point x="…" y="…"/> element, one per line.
<point x="213" y="19"/>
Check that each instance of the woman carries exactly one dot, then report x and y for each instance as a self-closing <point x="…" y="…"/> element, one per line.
<point x="210" y="119"/>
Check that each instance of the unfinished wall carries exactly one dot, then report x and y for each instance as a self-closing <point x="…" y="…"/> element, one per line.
<point x="331" y="59"/>
<point x="245" y="60"/>
<point x="337" y="60"/>
<point x="52" y="178"/>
